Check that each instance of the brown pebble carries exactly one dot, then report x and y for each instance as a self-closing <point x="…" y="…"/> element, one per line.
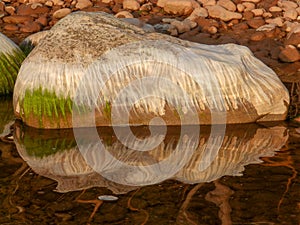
<point x="27" y="10"/>
<point x="30" y="27"/>
<point x="17" y="19"/>
<point x="293" y="39"/>
<point x="257" y="36"/>
<point x="11" y="27"/>
<point x="289" y="54"/>
<point x="248" y="15"/>
<point x="240" y="27"/>
<point x="42" y="20"/>
<point x="256" y="22"/>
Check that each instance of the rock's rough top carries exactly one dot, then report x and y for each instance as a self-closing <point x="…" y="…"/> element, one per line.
<point x="97" y="61"/>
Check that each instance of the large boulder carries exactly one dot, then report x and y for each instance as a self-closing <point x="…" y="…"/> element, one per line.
<point x="11" y="57"/>
<point x="93" y="69"/>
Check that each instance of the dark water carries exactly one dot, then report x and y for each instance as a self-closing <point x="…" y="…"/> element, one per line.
<point x="246" y="175"/>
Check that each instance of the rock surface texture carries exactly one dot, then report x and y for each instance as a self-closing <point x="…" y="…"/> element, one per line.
<point x="132" y="76"/>
<point x="11" y="57"/>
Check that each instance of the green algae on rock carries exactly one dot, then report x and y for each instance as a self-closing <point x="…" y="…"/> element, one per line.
<point x="117" y="73"/>
<point x="11" y="57"/>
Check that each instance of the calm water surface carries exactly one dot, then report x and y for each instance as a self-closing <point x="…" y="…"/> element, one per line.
<point x="249" y="175"/>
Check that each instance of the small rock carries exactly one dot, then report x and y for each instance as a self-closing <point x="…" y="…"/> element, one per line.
<point x="107" y="198"/>
<point x="240" y="7"/>
<point x="248" y="6"/>
<point x="81" y="4"/>
<point x="257" y="36"/>
<point x="107" y="1"/>
<point x="258" y="12"/>
<point x="289" y="54"/>
<point x="11" y="27"/>
<point x="131" y="5"/>
<point x="42" y="20"/>
<point x="17" y="19"/>
<point x="290" y="14"/>
<point x="275" y="9"/>
<point x="61" y="13"/>
<point x="181" y="26"/>
<point x="240" y="26"/>
<point x="286" y="5"/>
<point x="30" y="27"/>
<point x="252" y="1"/>
<point x="248" y="15"/>
<point x="198" y="12"/>
<point x="293" y="39"/>
<point x="256" y="22"/>
<point x="222" y="13"/>
<point x="227" y="4"/>
<point x="59" y="2"/>
<point x="27" y="10"/>
<point x="206" y="3"/>
<point x="212" y="30"/>
<point x="124" y="14"/>
<point x="278" y="21"/>
<point x="147" y="7"/>
<point x="267" y="15"/>
<point x="10" y="10"/>
<point x="267" y="27"/>
<point x="49" y="3"/>
<point x="178" y="7"/>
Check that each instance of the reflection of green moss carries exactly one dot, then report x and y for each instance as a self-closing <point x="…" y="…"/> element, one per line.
<point x="6" y="112"/>
<point x="43" y="103"/>
<point x="9" y="68"/>
<point x="44" y="147"/>
<point x="107" y="109"/>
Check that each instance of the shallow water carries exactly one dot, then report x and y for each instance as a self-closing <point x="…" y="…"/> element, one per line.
<point x="248" y="175"/>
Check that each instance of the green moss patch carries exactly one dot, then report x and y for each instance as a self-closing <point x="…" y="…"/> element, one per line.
<point x="9" y="68"/>
<point x="46" y="104"/>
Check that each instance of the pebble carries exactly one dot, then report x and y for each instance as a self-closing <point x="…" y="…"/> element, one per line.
<point x="258" y="12"/>
<point x="290" y="14"/>
<point x="227" y="4"/>
<point x="124" y="14"/>
<point x="240" y="7"/>
<point x="257" y="36"/>
<point x="256" y="22"/>
<point x="198" y="12"/>
<point x="222" y="13"/>
<point x="289" y="54"/>
<point x="61" y="13"/>
<point x="81" y="4"/>
<point x="178" y="7"/>
<point x="107" y="198"/>
<point x="278" y="21"/>
<point x="131" y="5"/>
<point x="275" y="9"/>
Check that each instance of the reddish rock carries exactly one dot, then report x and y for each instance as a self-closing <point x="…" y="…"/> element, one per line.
<point x="117" y="8"/>
<point x="240" y="26"/>
<point x="257" y="36"/>
<point x="30" y="27"/>
<point x="27" y="10"/>
<point x="274" y="52"/>
<point x="256" y="22"/>
<point x="294" y="39"/>
<point x="248" y="15"/>
<point x="42" y="20"/>
<point x="289" y="54"/>
<point x="17" y="19"/>
<point x="11" y="27"/>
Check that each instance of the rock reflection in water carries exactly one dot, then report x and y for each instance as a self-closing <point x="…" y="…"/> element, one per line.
<point x="55" y="154"/>
<point x="7" y="115"/>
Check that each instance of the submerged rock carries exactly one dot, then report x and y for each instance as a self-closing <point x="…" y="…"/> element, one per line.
<point x="11" y="57"/>
<point x="94" y="69"/>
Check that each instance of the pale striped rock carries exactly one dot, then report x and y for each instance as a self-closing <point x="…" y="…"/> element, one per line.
<point x="92" y="65"/>
<point x="11" y="57"/>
